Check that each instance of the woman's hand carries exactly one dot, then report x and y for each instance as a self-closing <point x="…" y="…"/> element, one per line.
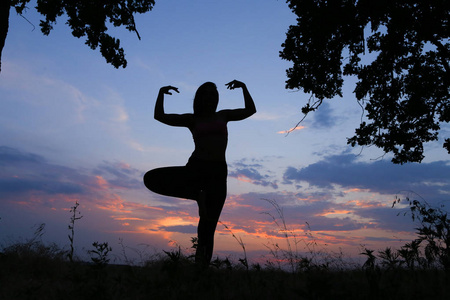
<point x="240" y="113"/>
<point x="166" y="89"/>
<point x="235" y="84"/>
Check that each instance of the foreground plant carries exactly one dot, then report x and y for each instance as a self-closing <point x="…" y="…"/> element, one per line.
<point x="76" y="215"/>
<point x="34" y="248"/>
<point x="243" y="261"/>
<point x="99" y="256"/>
<point x="433" y="234"/>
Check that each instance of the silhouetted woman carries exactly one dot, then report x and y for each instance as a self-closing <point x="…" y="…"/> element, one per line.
<point x="204" y="178"/>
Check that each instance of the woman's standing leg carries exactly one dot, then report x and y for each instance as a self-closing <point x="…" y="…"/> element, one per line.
<point x="213" y="196"/>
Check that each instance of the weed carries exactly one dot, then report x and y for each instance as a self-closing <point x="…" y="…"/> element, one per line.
<point x="124" y="253"/>
<point x="244" y="260"/>
<point x="411" y="255"/>
<point x="174" y="255"/>
<point x="390" y="258"/>
<point x="316" y="256"/>
<point x="290" y="255"/>
<point x="433" y="234"/>
<point x="194" y="241"/>
<point x="222" y="263"/>
<point x="76" y="215"/>
<point x="370" y="262"/>
<point x="99" y="256"/>
<point x="34" y="248"/>
<point x="141" y="254"/>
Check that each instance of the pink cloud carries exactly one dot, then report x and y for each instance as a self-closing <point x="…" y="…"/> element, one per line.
<point x="291" y="130"/>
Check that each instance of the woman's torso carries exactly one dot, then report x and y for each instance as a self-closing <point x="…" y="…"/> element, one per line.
<point x="210" y="136"/>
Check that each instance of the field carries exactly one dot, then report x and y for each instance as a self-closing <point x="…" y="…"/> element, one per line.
<point x="418" y="270"/>
<point x="37" y="271"/>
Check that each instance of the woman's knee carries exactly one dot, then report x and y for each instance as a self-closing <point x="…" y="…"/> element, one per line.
<point x="151" y="179"/>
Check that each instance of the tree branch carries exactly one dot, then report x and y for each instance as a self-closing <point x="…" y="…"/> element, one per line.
<point x="4" y="25"/>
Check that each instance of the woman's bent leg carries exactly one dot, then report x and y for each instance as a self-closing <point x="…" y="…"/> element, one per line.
<point x="172" y="181"/>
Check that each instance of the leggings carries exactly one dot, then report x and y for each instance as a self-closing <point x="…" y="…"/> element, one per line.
<point x="202" y="181"/>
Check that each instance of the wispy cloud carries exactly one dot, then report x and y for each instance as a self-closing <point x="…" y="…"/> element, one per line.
<point x="324" y="117"/>
<point x="300" y="127"/>
<point x="62" y="111"/>
<point x="251" y="172"/>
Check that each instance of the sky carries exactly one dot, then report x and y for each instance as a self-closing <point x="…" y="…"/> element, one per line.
<point x="74" y="129"/>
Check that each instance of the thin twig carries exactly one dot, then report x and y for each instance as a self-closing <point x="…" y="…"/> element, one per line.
<point x="34" y="27"/>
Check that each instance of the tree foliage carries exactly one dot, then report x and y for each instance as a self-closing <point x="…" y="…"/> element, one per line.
<point x="88" y="18"/>
<point x="403" y="87"/>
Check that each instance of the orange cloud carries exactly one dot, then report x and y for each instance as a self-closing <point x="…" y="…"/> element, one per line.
<point x="101" y="182"/>
<point x="292" y="129"/>
<point x="139" y="206"/>
<point x="173" y="221"/>
<point x="353" y="190"/>
<point x="113" y="203"/>
<point x="124" y="165"/>
<point x="243" y="178"/>
<point x="365" y="204"/>
<point x="233" y="201"/>
<point x="127" y="219"/>
<point x="334" y="212"/>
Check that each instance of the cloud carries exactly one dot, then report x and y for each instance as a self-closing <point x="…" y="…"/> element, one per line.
<point x="335" y="216"/>
<point x="335" y="210"/>
<point x="112" y="197"/>
<point x="27" y="172"/>
<point x="121" y="175"/>
<point x="249" y="172"/>
<point x="64" y="115"/>
<point x="292" y="129"/>
<point x="18" y="185"/>
<point x="380" y="176"/>
<point x="323" y="117"/>
<point x="24" y="175"/>
<point x="191" y="229"/>
<point x="10" y="155"/>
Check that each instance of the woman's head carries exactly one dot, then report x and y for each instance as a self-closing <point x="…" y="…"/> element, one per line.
<point x="206" y="99"/>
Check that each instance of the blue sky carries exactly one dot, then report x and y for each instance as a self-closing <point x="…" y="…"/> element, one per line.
<point x="74" y="128"/>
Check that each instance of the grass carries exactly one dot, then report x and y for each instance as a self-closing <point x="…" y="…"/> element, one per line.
<point x="35" y="270"/>
<point x="41" y="272"/>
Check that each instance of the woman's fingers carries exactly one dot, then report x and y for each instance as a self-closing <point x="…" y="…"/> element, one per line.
<point x="234" y="84"/>
<point x="174" y="88"/>
<point x="168" y="88"/>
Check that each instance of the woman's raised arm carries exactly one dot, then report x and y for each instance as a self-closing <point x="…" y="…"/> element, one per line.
<point x="170" y="119"/>
<point x="249" y="106"/>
